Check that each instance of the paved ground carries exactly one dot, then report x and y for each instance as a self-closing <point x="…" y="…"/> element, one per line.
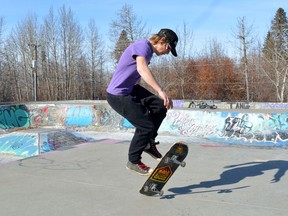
<point x="91" y="179"/>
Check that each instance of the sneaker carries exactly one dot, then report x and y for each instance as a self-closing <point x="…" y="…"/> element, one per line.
<point x="152" y="150"/>
<point x="139" y="168"/>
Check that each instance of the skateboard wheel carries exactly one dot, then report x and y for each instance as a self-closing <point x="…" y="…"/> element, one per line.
<point x="183" y="164"/>
<point x="161" y="193"/>
<point x="146" y="188"/>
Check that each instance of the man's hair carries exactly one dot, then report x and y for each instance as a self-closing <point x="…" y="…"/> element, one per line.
<point x="154" y="39"/>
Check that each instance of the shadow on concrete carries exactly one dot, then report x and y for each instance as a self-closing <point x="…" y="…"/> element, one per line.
<point x="235" y="174"/>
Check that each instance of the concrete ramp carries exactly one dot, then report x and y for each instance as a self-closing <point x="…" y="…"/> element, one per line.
<point x="34" y="142"/>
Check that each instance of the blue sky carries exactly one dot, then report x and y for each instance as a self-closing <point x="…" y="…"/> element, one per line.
<point x="208" y="19"/>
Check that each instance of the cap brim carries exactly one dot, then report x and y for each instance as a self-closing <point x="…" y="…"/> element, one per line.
<point x="173" y="51"/>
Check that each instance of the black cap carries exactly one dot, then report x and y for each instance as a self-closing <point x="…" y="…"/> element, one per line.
<point x="171" y="37"/>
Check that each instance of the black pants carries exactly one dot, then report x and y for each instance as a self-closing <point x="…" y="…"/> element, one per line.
<point x="145" y="111"/>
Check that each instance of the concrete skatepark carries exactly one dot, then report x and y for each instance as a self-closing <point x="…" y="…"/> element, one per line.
<point x="69" y="159"/>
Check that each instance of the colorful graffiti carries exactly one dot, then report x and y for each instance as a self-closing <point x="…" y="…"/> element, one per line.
<point x="14" y="117"/>
<point x="271" y="128"/>
<point x="21" y="145"/>
<point x="230" y="127"/>
<point x="239" y="105"/>
<point x="125" y="124"/>
<point x="178" y="103"/>
<point x="79" y="115"/>
<point x="30" y="144"/>
<point x="189" y="123"/>
<point x="47" y="115"/>
<point x="273" y="105"/>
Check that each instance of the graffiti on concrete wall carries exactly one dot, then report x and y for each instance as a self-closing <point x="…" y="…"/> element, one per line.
<point x="273" y="105"/>
<point x="184" y="122"/>
<point x="14" y="117"/>
<point x="108" y="118"/>
<point x="178" y="103"/>
<point x="229" y="127"/>
<point x="72" y="116"/>
<point x="19" y="144"/>
<point x="256" y="128"/>
<point x="125" y="124"/>
<point x="31" y="144"/>
<point x="79" y="115"/>
<point x="59" y="139"/>
<point x="47" y="115"/>
<point x="220" y="126"/>
<point x="239" y="105"/>
<point x="236" y="126"/>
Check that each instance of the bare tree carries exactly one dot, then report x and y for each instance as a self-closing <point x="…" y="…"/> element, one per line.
<point x="170" y="71"/>
<point x="1" y="53"/>
<point x="1" y="33"/>
<point x="279" y="68"/>
<point x="6" y="81"/>
<point x="50" y="57"/>
<point x="26" y="33"/>
<point x="70" y="42"/>
<point x="126" y="20"/>
<point x="244" y="35"/>
<point x="173" y="73"/>
<point x="96" y="59"/>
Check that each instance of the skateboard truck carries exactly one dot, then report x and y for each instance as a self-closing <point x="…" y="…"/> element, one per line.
<point x="174" y="160"/>
<point x="160" y="193"/>
<point x="182" y="164"/>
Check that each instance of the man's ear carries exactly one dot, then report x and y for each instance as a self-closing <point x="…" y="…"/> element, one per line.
<point x="163" y="39"/>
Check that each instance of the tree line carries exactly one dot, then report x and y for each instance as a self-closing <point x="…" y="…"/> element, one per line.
<point x="58" y="59"/>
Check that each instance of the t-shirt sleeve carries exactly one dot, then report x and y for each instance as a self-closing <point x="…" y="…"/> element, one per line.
<point x="140" y="49"/>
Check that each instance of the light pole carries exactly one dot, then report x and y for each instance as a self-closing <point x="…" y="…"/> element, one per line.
<point x="34" y="68"/>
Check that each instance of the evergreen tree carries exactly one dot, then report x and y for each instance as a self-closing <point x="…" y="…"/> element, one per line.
<point x="275" y="52"/>
<point x="121" y="45"/>
<point x="276" y="40"/>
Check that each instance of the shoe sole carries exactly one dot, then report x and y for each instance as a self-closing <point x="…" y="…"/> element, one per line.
<point x="158" y="159"/>
<point x="142" y="174"/>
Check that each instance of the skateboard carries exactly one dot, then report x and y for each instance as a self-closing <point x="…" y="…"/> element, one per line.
<point x="165" y="169"/>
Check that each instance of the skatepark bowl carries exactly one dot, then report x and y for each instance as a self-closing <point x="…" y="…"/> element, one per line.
<point x="34" y="132"/>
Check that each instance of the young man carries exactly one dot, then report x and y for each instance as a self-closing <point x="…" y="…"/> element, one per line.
<point x="140" y="107"/>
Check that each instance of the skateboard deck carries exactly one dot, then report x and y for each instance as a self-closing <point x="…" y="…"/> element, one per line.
<point x="165" y="169"/>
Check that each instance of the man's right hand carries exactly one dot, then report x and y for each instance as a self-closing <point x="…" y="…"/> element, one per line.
<point x="168" y="103"/>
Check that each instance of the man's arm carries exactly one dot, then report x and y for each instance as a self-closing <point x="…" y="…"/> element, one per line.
<point x="148" y="77"/>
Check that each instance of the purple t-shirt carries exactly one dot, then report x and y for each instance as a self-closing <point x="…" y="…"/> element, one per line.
<point x="126" y="74"/>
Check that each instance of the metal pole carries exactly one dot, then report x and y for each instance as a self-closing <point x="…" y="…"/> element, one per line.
<point x="34" y="67"/>
<point x="35" y="85"/>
